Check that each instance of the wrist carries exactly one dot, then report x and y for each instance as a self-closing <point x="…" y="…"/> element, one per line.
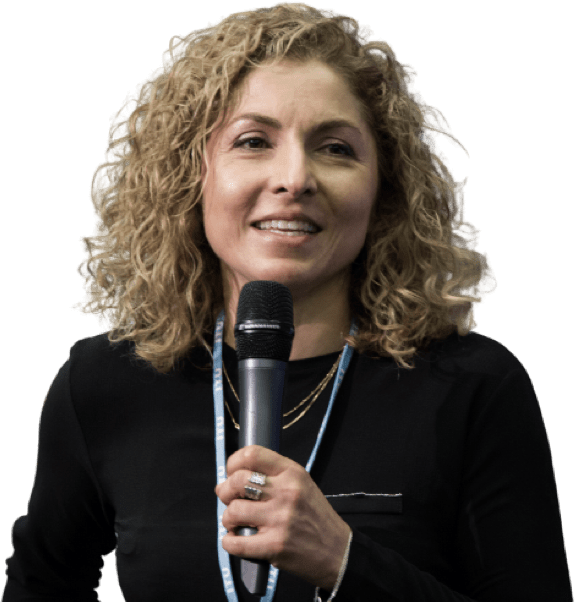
<point x="332" y="584"/>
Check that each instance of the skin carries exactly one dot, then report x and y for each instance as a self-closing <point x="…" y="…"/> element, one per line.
<point x="286" y="172"/>
<point x="298" y="529"/>
<point x="252" y="172"/>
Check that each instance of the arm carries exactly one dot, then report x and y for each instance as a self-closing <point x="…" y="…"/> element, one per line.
<point x="508" y="540"/>
<point x="58" y="545"/>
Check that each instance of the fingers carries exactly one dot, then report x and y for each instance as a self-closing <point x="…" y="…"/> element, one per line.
<point x="242" y="513"/>
<point x="254" y="547"/>
<point x="259" y="459"/>
<point x="233" y="487"/>
<point x="267" y="544"/>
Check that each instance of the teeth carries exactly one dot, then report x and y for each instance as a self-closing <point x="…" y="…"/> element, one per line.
<point x="280" y="224"/>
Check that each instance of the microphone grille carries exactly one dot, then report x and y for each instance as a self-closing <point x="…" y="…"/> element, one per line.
<point x="264" y="325"/>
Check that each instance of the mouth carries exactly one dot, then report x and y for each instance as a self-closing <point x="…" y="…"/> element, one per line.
<point x="288" y="228"/>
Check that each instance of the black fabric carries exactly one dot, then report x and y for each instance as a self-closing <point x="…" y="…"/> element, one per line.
<point x="456" y="450"/>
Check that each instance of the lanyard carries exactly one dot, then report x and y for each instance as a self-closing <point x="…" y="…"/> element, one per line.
<point x="220" y="443"/>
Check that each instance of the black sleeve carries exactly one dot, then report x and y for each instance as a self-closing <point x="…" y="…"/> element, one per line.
<point x="509" y="540"/>
<point x="59" y="544"/>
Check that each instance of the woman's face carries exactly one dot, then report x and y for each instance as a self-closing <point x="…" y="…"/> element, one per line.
<point x="288" y="193"/>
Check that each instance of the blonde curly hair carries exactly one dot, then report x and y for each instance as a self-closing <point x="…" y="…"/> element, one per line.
<point x="151" y="269"/>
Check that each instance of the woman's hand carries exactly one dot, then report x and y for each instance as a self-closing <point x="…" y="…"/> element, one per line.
<point x="298" y="529"/>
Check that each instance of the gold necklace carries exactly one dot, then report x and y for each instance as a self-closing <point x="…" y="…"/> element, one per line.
<point x="313" y="395"/>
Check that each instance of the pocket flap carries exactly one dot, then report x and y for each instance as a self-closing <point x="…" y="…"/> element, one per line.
<point x="359" y="503"/>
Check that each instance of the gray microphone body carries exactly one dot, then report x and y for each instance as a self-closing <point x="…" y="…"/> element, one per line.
<point x="264" y="333"/>
<point x="261" y="384"/>
<point x="261" y="391"/>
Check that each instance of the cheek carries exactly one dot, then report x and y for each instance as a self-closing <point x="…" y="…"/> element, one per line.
<point x="225" y="217"/>
<point x="357" y="215"/>
<point x="356" y="224"/>
<point x="212" y="216"/>
<point x="228" y="194"/>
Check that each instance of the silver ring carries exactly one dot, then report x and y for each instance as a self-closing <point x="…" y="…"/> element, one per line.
<point x="253" y="493"/>
<point x="258" y="478"/>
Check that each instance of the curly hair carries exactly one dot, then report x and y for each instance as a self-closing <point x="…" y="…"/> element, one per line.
<point x="151" y="268"/>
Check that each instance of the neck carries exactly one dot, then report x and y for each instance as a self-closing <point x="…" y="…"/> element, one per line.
<point x="321" y="321"/>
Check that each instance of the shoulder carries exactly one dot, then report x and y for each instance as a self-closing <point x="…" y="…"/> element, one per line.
<point x="93" y="347"/>
<point x="482" y="373"/>
<point x="472" y="353"/>
<point x="111" y="388"/>
<point x="99" y="367"/>
<point x="456" y="355"/>
<point x="97" y="355"/>
<point x="461" y="367"/>
<point x="104" y="372"/>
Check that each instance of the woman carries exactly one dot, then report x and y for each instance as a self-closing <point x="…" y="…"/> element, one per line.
<point x="280" y="146"/>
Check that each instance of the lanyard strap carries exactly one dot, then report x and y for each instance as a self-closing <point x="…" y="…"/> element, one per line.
<point x="220" y="443"/>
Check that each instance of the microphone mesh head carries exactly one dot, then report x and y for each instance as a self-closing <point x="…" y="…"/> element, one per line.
<point x="264" y="323"/>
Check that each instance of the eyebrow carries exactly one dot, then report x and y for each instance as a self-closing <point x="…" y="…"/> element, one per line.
<point x="321" y="127"/>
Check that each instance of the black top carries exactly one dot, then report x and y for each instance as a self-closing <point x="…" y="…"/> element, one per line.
<point x="457" y="446"/>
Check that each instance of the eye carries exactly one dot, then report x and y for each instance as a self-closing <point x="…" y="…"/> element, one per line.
<point x="344" y="149"/>
<point x="240" y="143"/>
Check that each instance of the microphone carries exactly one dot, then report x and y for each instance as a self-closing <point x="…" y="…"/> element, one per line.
<point x="264" y="333"/>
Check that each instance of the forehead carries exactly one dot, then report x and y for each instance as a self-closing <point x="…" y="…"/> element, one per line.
<point x="294" y="89"/>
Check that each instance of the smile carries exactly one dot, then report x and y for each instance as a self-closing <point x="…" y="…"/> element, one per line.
<point x="289" y="228"/>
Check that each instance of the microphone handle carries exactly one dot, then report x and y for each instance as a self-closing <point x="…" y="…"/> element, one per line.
<point x="261" y="384"/>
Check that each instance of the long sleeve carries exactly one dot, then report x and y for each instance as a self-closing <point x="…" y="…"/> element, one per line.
<point x="508" y="536"/>
<point x="58" y="545"/>
<point x="454" y="452"/>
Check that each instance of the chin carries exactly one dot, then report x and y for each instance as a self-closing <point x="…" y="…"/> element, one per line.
<point x="284" y="275"/>
<point x="301" y="282"/>
<point x="288" y="277"/>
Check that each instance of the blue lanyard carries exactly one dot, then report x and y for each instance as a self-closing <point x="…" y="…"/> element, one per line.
<point x="220" y="442"/>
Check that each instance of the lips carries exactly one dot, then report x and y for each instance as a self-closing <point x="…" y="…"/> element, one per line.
<point x="288" y="227"/>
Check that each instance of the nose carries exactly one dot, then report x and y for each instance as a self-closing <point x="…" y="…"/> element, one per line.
<point x="294" y="171"/>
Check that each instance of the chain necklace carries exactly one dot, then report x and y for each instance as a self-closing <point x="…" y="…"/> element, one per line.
<point x="313" y="395"/>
